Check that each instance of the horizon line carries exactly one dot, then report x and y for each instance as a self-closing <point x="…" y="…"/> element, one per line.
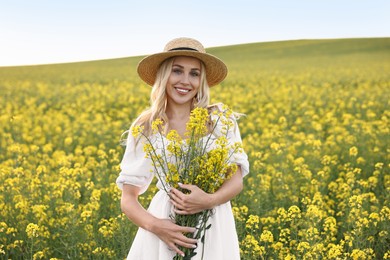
<point x="211" y="47"/>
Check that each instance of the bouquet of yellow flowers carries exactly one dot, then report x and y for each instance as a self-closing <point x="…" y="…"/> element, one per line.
<point x="201" y="159"/>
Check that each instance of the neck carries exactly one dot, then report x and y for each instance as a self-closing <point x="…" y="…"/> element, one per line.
<point x="178" y="112"/>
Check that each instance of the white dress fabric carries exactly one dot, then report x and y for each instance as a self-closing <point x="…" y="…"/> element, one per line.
<point x="221" y="241"/>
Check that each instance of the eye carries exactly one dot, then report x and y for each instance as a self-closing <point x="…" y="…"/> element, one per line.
<point x="177" y="71"/>
<point x="195" y="73"/>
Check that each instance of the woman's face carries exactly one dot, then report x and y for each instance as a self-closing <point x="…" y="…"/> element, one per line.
<point x="184" y="80"/>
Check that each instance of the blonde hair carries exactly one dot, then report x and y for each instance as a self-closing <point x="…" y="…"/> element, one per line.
<point x="158" y="98"/>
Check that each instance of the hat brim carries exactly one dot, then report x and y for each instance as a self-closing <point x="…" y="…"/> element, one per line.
<point x="216" y="69"/>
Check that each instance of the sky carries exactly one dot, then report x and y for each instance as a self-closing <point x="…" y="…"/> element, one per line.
<point x="53" y="31"/>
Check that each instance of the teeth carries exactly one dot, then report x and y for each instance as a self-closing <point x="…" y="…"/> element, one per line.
<point x="183" y="90"/>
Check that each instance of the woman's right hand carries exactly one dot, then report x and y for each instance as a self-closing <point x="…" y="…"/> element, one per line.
<point x="165" y="229"/>
<point x="173" y="235"/>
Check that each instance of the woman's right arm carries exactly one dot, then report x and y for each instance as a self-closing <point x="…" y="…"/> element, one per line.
<point x="165" y="229"/>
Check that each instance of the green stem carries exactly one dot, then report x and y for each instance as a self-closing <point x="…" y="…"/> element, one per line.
<point x="209" y="137"/>
<point x="154" y="164"/>
<point x="32" y="246"/>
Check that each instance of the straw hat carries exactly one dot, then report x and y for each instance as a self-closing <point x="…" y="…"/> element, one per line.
<point x="216" y="70"/>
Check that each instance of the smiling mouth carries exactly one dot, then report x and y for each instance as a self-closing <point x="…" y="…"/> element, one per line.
<point x="182" y="90"/>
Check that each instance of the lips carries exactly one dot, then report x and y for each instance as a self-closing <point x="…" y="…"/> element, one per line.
<point x="182" y="90"/>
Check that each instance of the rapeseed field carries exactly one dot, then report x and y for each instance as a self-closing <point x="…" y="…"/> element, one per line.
<point x="316" y="130"/>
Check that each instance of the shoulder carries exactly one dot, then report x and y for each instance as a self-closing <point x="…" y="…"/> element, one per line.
<point x="217" y="107"/>
<point x="224" y="119"/>
<point x="224" y="110"/>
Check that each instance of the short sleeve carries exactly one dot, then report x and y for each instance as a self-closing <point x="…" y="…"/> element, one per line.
<point x="136" y="169"/>
<point x="240" y="158"/>
<point x="233" y="135"/>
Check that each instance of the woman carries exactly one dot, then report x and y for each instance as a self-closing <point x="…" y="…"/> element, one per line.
<point x="181" y="76"/>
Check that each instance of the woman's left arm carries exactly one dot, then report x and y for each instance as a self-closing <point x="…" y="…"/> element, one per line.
<point x="199" y="200"/>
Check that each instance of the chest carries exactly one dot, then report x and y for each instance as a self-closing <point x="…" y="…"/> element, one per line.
<point x="179" y="126"/>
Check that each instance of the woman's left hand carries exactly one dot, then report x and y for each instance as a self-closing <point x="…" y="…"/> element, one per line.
<point x="196" y="201"/>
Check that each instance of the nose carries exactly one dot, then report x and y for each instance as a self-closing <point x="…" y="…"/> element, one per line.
<point x="185" y="79"/>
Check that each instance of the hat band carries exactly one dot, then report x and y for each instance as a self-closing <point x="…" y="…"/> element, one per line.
<point x="183" y="49"/>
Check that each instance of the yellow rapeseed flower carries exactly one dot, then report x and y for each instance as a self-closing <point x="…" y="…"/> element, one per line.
<point x="294" y="212"/>
<point x="32" y="230"/>
<point x="252" y="222"/>
<point x="353" y="151"/>
<point x="136" y="130"/>
<point x="267" y="236"/>
<point x="197" y="124"/>
<point x="156" y="125"/>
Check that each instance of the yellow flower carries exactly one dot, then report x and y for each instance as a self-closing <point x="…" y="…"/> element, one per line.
<point x="3" y="226"/>
<point x="104" y="252"/>
<point x="266" y="236"/>
<point x="136" y="130"/>
<point x="275" y="146"/>
<point x="148" y="149"/>
<point x="38" y="255"/>
<point x="251" y="246"/>
<point x="197" y="123"/>
<point x="156" y="125"/>
<point x="40" y="211"/>
<point x="353" y="151"/>
<point x="385" y="213"/>
<point x="379" y="165"/>
<point x="284" y="236"/>
<point x="334" y="251"/>
<point x="303" y="246"/>
<point x="32" y="230"/>
<point x="252" y="222"/>
<point x="294" y="212"/>
<point x="358" y="254"/>
<point x="174" y="145"/>
<point x="240" y="212"/>
<point x="68" y="141"/>
<point x="277" y="246"/>
<point x="174" y="136"/>
<point x="86" y="214"/>
<point x="173" y="176"/>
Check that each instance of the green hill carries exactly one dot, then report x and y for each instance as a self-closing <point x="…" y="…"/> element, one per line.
<point x="315" y="129"/>
<point x="283" y="56"/>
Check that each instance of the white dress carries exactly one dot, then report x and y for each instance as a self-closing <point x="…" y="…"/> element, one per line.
<point x="221" y="241"/>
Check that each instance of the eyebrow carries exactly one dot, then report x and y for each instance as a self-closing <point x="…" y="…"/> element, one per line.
<point x="182" y="67"/>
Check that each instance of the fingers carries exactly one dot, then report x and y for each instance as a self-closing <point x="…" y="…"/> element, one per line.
<point x="188" y="230"/>
<point x="185" y="244"/>
<point x="186" y="186"/>
<point x="175" y="248"/>
<point x="175" y="236"/>
<point x="187" y="241"/>
<point x="182" y="196"/>
<point x="176" y="195"/>
<point x="180" y="208"/>
<point x="178" y="199"/>
<point x="183" y="212"/>
<point x="183" y="241"/>
<point x="182" y="203"/>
